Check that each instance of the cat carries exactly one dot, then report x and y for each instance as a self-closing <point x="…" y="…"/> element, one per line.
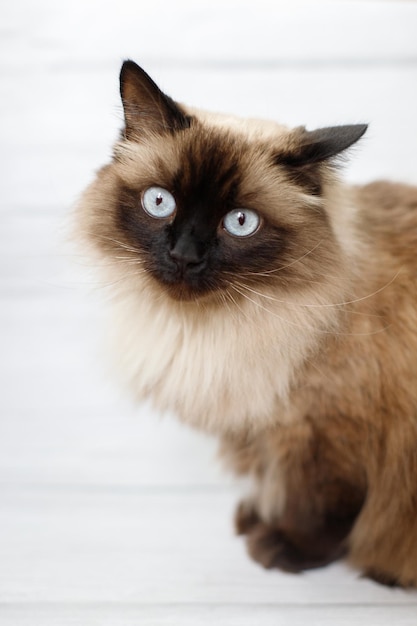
<point x="263" y="300"/>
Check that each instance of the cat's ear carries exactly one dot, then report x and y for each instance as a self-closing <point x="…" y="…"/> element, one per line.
<point x="146" y="108"/>
<point x="321" y="145"/>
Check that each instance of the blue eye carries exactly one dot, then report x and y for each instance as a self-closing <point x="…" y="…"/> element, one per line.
<point x="241" y="222"/>
<point x="158" y="202"/>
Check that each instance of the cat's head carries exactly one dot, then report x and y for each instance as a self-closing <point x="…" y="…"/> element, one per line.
<point x="200" y="204"/>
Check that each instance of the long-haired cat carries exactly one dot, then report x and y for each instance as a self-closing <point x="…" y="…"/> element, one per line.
<point x="264" y="301"/>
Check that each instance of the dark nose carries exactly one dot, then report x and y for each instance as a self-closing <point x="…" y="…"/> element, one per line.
<point x="185" y="254"/>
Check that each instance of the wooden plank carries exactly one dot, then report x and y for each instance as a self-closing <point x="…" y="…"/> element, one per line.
<point x="203" y="615"/>
<point x="172" y="546"/>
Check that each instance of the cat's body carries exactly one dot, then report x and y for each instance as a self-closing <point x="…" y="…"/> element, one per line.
<point x="260" y="299"/>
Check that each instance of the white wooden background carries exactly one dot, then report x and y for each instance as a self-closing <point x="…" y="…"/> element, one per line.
<point x="109" y="515"/>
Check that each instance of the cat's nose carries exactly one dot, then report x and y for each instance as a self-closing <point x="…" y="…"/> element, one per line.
<point x="185" y="254"/>
<point x="185" y="257"/>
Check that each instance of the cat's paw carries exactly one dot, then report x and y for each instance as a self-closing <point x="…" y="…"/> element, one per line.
<point x="246" y="517"/>
<point x="273" y="547"/>
<point x="266" y="545"/>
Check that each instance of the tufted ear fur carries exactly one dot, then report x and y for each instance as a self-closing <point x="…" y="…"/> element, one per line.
<point x="306" y="150"/>
<point x="146" y="108"/>
<point x="321" y="144"/>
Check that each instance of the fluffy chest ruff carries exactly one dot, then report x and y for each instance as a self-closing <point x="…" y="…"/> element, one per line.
<point x="221" y="368"/>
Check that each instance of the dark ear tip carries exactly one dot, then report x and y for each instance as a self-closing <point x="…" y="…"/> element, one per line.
<point x="131" y="74"/>
<point x="128" y="66"/>
<point x="361" y="129"/>
<point x="128" y="63"/>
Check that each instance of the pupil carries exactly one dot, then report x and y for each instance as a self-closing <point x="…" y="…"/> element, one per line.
<point x="159" y="199"/>
<point x="241" y="218"/>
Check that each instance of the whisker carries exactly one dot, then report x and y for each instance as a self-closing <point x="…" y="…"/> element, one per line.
<point x="267" y="273"/>
<point x="224" y="301"/>
<point x="234" y="302"/>
<point x="258" y="304"/>
<point x="317" y="305"/>
<point x="292" y="348"/>
<point x="324" y="332"/>
<point x="283" y="267"/>
<point x="122" y="244"/>
<point x="356" y="300"/>
<point x="299" y="279"/>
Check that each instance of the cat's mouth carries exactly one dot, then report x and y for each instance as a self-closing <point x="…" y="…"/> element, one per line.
<point x="183" y="291"/>
<point x="182" y="278"/>
<point x="187" y="284"/>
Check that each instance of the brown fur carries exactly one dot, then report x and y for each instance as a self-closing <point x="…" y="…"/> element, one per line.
<point x="301" y="350"/>
<point x="355" y="451"/>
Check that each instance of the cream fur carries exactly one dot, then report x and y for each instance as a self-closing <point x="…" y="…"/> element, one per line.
<point x="219" y="367"/>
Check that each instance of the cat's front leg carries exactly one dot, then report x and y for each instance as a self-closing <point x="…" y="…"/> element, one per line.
<point x="305" y="501"/>
<point x="275" y="545"/>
